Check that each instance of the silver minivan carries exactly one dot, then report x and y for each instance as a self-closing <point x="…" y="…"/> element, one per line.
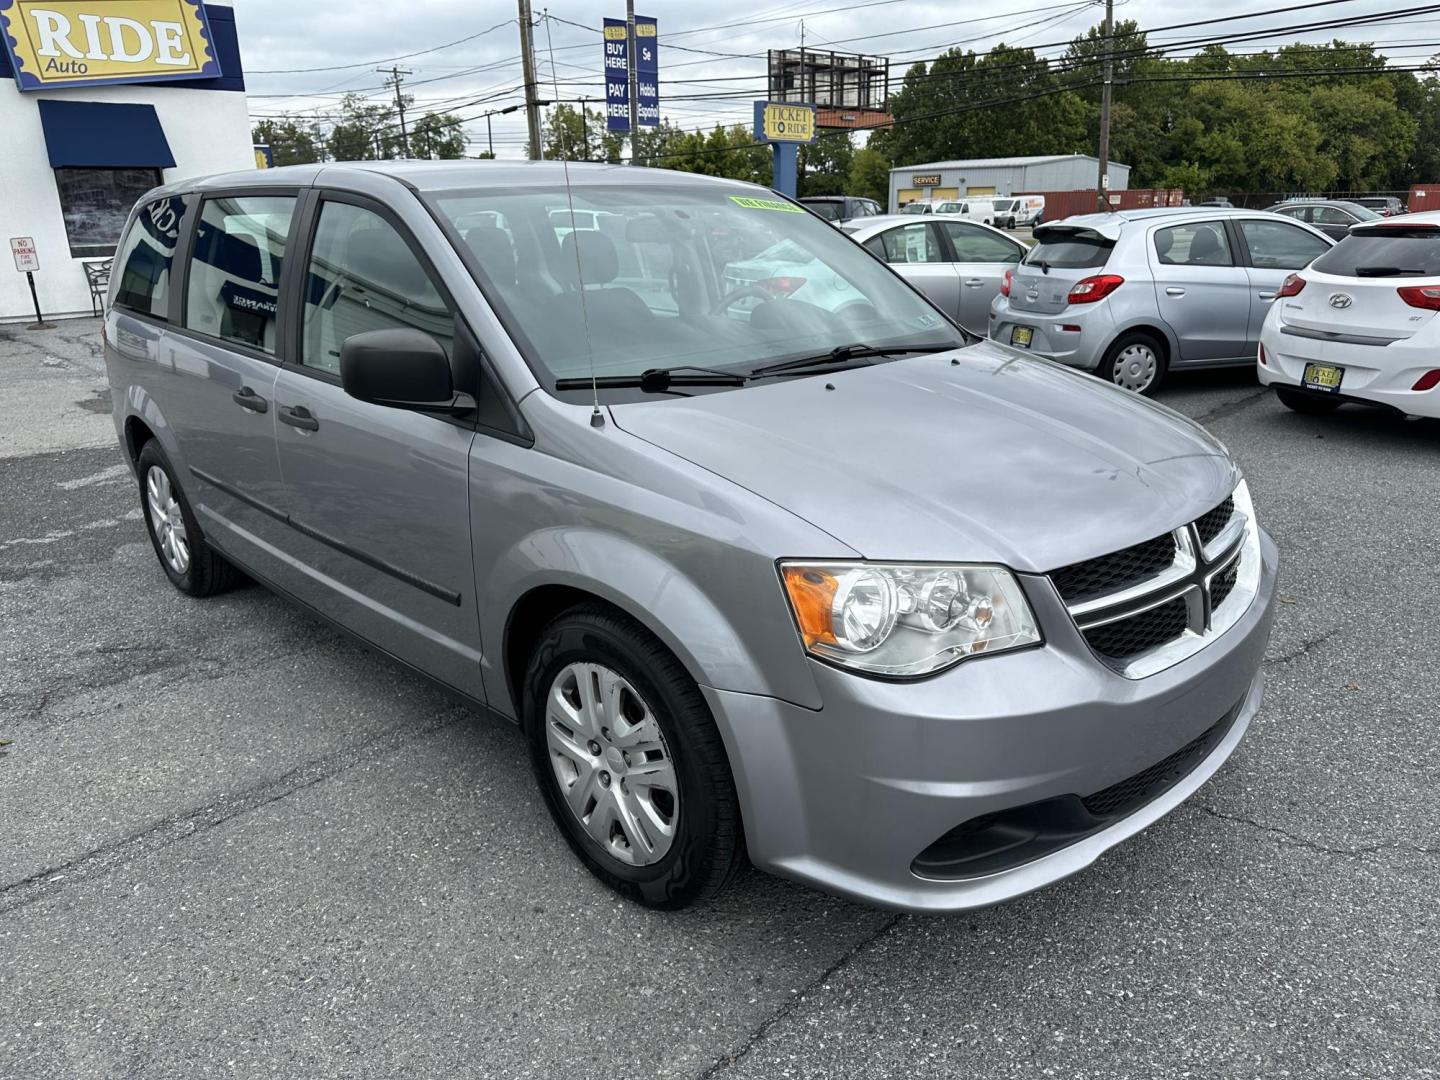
<point x="837" y="587"/>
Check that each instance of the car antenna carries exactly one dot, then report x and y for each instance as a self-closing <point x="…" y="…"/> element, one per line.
<point x="597" y="418"/>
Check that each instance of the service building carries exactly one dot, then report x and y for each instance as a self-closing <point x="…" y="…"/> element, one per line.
<point x="938" y="180"/>
<point x="99" y="102"/>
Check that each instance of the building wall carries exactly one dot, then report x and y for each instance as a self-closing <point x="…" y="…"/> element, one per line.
<point x="1063" y="175"/>
<point x="207" y="125"/>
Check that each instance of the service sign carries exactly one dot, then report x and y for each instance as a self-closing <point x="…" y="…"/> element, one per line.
<point x="96" y="42"/>
<point x="925" y="180"/>
<point x="27" y="258"/>
<point x="776" y="122"/>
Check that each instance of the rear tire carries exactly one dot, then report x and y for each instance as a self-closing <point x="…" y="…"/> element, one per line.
<point x="1309" y="404"/>
<point x="630" y="761"/>
<point x="189" y="562"/>
<point x="1135" y="361"/>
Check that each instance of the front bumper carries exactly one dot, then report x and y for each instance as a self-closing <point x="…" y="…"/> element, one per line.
<point x="1378" y="374"/>
<point x="845" y="797"/>
<point x="1082" y="347"/>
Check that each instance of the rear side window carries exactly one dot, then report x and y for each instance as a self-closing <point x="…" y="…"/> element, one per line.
<point x="1276" y="245"/>
<point x="1070" y="250"/>
<point x="144" y="261"/>
<point x="828" y="210"/>
<point x="234" y="284"/>
<point x="1201" y="244"/>
<point x="910" y="244"/>
<point x="362" y="277"/>
<point x="1384" y="251"/>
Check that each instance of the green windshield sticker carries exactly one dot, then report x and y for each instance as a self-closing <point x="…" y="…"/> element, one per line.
<point x="765" y="204"/>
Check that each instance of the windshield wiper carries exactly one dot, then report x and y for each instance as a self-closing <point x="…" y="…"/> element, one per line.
<point x="843" y="353"/>
<point x="1386" y="271"/>
<point x="655" y="380"/>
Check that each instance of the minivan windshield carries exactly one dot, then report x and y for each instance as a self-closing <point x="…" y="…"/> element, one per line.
<point x="653" y="276"/>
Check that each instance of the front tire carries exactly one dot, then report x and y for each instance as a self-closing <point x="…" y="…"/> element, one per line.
<point x="1135" y="361"/>
<point x="189" y="562"/>
<point x="1309" y="404"/>
<point x="630" y="761"/>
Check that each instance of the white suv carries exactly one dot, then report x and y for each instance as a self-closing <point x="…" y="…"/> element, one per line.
<point x="1359" y="325"/>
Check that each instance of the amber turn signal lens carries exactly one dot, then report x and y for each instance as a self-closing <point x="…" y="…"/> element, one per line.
<point x="812" y="595"/>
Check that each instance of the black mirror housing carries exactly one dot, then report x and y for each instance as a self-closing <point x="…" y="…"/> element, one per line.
<point x="402" y="368"/>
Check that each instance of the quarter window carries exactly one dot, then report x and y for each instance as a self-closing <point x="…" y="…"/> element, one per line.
<point x="234" y="288"/>
<point x="1275" y="245"/>
<point x="362" y="277"/>
<point x="974" y="244"/>
<point x="1200" y="244"/>
<point x="143" y="281"/>
<point x="1331" y="215"/>
<point x="911" y="244"/>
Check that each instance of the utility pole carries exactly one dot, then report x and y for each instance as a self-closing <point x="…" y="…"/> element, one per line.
<point x="397" y="75"/>
<point x="489" y="134"/>
<point x="1102" y="188"/>
<point x="527" y="64"/>
<point x="630" y="44"/>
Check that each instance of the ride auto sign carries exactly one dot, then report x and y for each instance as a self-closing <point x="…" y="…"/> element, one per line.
<point x="97" y="42"/>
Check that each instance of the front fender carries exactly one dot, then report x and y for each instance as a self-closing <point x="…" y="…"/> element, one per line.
<point x="734" y="634"/>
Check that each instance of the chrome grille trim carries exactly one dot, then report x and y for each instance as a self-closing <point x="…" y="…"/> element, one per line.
<point x="1191" y="575"/>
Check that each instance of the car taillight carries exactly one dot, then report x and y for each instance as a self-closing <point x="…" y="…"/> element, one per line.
<point x="1290" y="286"/>
<point x="1005" y="283"/>
<point x="1090" y="289"/>
<point x="780" y="287"/>
<point x="1421" y="296"/>
<point x="1428" y="381"/>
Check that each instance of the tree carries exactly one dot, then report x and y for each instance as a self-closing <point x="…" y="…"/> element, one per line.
<point x="437" y="135"/>
<point x="364" y="131"/>
<point x="823" y="167"/>
<point x="870" y="175"/>
<point x="291" y="142"/>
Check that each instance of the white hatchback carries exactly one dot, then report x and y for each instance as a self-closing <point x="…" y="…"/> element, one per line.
<point x="1358" y="324"/>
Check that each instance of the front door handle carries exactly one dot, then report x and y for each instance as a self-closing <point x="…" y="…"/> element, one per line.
<point x="1174" y="290"/>
<point x="973" y="283"/>
<point x="1267" y="296"/>
<point x="248" y="399"/>
<point x="299" y="416"/>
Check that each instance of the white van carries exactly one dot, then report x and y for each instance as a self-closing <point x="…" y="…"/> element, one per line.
<point x="982" y="210"/>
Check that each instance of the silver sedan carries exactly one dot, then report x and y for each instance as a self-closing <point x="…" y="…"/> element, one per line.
<point x="960" y="265"/>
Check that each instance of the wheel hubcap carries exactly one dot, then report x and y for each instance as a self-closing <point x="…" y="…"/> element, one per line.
<point x="611" y="762"/>
<point x="167" y="523"/>
<point x="1135" y="367"/>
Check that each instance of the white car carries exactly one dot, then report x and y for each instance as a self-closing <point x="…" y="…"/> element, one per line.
<point x="1359" y="323"/>
<point x="981" y="210"/>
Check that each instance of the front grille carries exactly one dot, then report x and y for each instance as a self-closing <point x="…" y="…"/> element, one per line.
<point x="1140" y="633"/>
<point x="1119" y="570"/>
<point x="1224" y="584"/>
<point x="1133" y="792"/>
<point x="1213" y="524"/>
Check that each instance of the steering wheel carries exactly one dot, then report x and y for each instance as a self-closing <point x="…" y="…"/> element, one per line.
<point x="739" y="294"/>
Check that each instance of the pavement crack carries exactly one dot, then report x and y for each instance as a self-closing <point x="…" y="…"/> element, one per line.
<point x="1303" y="648"/>
<point x="1231" y="407"/>
<point x="1295" y="840"/>
<point x="163" y="833"/>
<point x="756" y="1036"/>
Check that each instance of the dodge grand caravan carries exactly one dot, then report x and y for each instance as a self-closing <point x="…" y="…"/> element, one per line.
<point x="892" y="611"/>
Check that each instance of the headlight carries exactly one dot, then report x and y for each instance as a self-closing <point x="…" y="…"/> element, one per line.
<point x="906" y="620"/>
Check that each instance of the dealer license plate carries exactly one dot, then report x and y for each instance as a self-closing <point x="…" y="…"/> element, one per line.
<point x="1323" y="377"/>
<point x="1020" y="336"/>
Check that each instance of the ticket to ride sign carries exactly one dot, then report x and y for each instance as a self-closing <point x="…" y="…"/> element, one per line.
<point x="780" y="123"/>
<point x="96" y="42"/>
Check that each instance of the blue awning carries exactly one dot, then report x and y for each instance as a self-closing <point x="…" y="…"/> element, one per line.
<point x="102" y="135"/>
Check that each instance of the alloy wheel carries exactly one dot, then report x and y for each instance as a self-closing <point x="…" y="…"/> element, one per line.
<point x="611" y="763"/>
<point x="1135" y="367"/>
<point x="166" y="520"/>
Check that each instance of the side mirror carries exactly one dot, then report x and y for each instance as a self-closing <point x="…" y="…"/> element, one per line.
<point x="403" y="368"/>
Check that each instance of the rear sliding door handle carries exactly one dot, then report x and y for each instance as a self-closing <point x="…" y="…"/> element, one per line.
<point x="1267" y="296"/>
<point x="248" y="399"/>
<point x="299" y="416"/>
<point x="1174" y="290"/>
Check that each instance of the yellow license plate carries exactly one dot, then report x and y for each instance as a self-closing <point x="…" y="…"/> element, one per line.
<point x="1323" y="377"/>
<point x="1021" y="335"/>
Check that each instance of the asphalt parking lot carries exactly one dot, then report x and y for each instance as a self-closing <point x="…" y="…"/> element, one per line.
<point x="235" y="843"/>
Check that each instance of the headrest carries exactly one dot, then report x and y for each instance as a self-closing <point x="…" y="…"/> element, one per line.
<point x="1205" y="244"/>
<point x="495" y="250"/>
<point x="1164" y="241"/>
<point x="599" y="261"/>
<point x="377" y="257"/>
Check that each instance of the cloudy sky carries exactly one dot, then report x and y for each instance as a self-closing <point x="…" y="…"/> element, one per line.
<point x="302" y="56"/>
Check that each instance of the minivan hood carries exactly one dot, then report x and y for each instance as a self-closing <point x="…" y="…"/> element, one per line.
<point x="996" y="457"/>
